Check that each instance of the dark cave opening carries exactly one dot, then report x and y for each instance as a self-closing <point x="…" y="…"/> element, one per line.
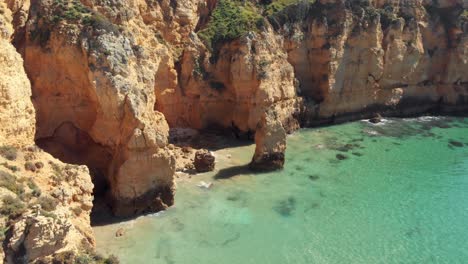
<point x="73" y="145"/>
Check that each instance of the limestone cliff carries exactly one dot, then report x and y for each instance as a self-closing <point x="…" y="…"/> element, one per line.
<point x="108" y="79"/>
<point x="93" y="90"/>
<point x="395" y="57"/>
<point x="45" y="204"/>
<point x="328" y="61"/>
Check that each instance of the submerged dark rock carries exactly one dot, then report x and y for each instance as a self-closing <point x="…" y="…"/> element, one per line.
<point x="341" y="156"/>
<point x="299" y="168"/>
<point x="347" y="147"/>
<point x="455" y="143"/>
<point x="315" y="205"/>
<point x="314" y="177"/>
<point x="285" y="207"/>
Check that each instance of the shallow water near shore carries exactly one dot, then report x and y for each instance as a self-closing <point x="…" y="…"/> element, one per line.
<point x="395" y="192"/>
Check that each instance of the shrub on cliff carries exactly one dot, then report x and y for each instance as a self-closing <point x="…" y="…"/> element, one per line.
<point x="88" y="258"/>
<point x="387" y="16"/>
<point x="98" y="21"/>
<point x="10" y="182"/>
<point x="35" y="191"/>
<point x="12" y="207"/>
<point x="47" y="203"/>
<point x="8" y="152"/>
<point x="68" y="11"/>
<point x="71" y="12"/>
<point x="230" y="20"/>
<point x="12" y="168"/>
<point x="279" y="5"/>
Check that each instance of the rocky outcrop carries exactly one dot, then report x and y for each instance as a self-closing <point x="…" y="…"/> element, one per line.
<point x="56" y="216"/>
<point x="204" y="161"/>
<point x="270" y="143"/>
<point x="331" y="61"/>
<point x="248" y="76"/>
<point x="44" y="203"/>
<point x="141" y="67"/>
<point x="16" y="110"/>
<point x="393" y="57"/>
<point x="109" y="79"/>
<point x="98" y="110"/>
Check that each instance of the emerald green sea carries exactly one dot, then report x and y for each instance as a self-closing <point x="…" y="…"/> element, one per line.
<point x="396" y="193"/>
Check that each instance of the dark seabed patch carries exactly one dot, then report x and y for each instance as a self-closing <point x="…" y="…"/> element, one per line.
<point x="413" y="232"/>
<point x="341" y="157"/>
<point x="312" y="206"/>
<point x="299" y="168"/>
<point x="285" y="207"/>
<point x="230" y="240"/>
<point x="455" y="143"/>
<point x="177" y="224"/>
<point x="314" y="177"/>
<point x="238" y="197"/>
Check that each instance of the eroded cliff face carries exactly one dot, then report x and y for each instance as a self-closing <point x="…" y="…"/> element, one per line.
<point x="44" y="203"/>
<point x="93" y="91"/>
<point x="249" y="76"/>
<point x="108" y="79"/>
<point x="394" y="57"/>
<point x="330" y="61"/>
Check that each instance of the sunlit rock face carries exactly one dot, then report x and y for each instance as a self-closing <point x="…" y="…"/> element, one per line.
<point x="93" y="90"/>
<point x="36" y="229"/>
<point x="109" y="80"/>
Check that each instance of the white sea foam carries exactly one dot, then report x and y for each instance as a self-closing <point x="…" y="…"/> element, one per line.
<point x="382" y="122"/>
<point x="371" y="132"/>
<point x="422" y="118"/>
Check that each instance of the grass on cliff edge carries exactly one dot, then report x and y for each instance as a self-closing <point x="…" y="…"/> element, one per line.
<point x="230" y="20"/>
<point x="278" y="5"/>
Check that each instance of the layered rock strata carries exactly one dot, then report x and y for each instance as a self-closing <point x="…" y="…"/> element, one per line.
<point x="108" y="79"/>
<point x="93" y="90"/>
<point x="44" y="203"/>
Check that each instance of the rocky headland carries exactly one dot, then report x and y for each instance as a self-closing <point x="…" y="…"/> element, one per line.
<point x="92" y="92"/>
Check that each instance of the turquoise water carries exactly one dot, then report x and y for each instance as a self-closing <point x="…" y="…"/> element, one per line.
<point x="399" y="194"/>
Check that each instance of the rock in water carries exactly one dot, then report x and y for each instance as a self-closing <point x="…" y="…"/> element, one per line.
<point x="376" y="119"/>
<point x="204" y="161"/>
<point x="270" y="141"/>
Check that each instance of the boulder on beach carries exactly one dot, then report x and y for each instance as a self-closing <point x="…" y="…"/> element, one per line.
<point x="204" y="161"/>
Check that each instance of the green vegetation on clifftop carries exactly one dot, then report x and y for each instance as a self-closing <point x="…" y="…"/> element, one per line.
<point x="278" y="5"/>
<point x="230" y="19"/>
